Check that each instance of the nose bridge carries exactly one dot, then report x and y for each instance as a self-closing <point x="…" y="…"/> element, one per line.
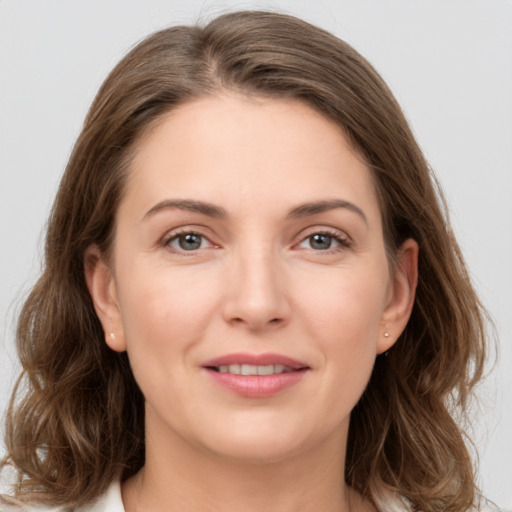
<point x="256" y="292"/>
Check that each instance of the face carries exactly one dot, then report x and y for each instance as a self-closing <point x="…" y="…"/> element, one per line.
<point x="249" y="281"/>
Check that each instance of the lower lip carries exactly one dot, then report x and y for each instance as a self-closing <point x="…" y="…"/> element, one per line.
<point x="257" y="386"/>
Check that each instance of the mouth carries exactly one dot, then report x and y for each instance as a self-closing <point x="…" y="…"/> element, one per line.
<point x="256" y="376"/>
<point x="251" y="369"/>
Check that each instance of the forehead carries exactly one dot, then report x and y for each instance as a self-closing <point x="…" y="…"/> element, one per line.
<point x="252" y="149"/>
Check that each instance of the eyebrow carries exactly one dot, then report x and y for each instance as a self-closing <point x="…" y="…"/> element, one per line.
<point x="315" y="207"/>
<point x="212" y="210"/>
<point x="189" y="205"/>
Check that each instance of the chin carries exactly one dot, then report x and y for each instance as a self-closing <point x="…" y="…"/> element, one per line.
<point x="267" y="442"/>
<point x="259" y="451"/>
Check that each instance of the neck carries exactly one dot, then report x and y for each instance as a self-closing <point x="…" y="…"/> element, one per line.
<point x="187" y="479"/>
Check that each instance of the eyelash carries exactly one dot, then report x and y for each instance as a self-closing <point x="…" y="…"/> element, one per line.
<point x="167" y="240"/>
<point x="342" y="241"/>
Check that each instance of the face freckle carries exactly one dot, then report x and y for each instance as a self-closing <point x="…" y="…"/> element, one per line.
<point x="250" y="234"/>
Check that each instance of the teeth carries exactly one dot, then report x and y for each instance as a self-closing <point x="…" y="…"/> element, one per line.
<point x="249" y="369"/>
<point x="279" y="368"/>
<point x="266" y="370"/>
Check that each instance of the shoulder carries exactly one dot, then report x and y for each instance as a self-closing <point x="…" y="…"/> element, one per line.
<point x="9" y="504"/>
<point x="395" y="503"/>
<point x="491" y="507"/>
<point x="109" y="502"/>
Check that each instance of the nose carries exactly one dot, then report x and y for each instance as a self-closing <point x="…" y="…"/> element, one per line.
<point x="256" y="293"/>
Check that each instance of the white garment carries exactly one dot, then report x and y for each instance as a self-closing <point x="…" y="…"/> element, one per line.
<point x="109" y="502"/>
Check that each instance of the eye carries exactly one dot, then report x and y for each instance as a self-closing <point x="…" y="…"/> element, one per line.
<point x="321" y="241"/>
<point x="324" y="241"/>
<point x="189" y="241"/>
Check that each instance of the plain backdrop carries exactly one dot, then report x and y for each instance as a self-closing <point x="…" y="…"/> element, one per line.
<point x="448" y="62"/>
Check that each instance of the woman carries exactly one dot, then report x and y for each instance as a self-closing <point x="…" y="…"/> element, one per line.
<point x="252" y="298"/>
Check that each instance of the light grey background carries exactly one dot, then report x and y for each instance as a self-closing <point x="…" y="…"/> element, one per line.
<point x="449" y="63"/>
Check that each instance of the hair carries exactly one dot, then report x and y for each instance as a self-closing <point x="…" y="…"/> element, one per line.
<point x="76" y="417"/>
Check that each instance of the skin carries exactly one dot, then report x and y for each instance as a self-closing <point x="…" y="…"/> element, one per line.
<point x="256" y="284"/>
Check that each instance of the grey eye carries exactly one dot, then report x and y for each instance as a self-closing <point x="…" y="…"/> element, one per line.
<point x="187" y="242"/>
<point x="320" y="241"/>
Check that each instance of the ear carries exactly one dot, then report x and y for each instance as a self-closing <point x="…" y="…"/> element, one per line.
<point x="102" y="288"/>
<point x="400" y="298"/>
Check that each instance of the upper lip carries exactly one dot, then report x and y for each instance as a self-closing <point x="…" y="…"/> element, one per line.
<point x="256" y="360"/>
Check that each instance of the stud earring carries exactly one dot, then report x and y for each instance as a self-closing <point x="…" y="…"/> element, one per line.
<point x="386" y="334"/>
<point x="112" y="336"/>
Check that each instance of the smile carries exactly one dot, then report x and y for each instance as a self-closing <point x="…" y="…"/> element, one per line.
<point x="250" y="369"/>
<point x="255" y="376"/>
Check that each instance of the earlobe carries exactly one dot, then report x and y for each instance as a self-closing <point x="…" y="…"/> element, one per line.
<point x="102" y="288"/>
<point x="401" y="297"/>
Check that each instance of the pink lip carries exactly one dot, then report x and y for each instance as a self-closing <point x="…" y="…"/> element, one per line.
<point x="256" y="386"/>
<point x="256" y="360"/>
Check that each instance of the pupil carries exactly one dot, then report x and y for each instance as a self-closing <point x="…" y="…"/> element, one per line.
<point x="190" y="242"/>
<point x="320" y="241"/>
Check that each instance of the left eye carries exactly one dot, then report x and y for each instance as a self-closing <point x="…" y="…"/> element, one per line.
<point x="320" y="242"/>
<point x="188" y="242"/>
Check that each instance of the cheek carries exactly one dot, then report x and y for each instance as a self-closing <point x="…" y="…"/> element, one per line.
<point x="165" y="315"/>
<point x="164" y="309"/>
<point x="345" y="317"/>
<point x="348" y="304"/>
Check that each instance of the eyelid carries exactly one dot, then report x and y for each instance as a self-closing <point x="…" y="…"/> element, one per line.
<point x="340" y="236"/>
<point x="185" y="230"/>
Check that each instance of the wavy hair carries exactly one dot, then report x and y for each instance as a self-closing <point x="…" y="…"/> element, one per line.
<point x="76" y="418"/>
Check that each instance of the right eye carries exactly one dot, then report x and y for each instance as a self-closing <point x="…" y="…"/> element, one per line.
<point x="321" y="241"/>
<point x="188" y="242"/>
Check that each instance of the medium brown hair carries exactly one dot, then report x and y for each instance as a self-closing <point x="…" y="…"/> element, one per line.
<point x="76" y="419"/>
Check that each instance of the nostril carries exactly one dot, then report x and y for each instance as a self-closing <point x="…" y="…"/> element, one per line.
<point x="256" y="324"/>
